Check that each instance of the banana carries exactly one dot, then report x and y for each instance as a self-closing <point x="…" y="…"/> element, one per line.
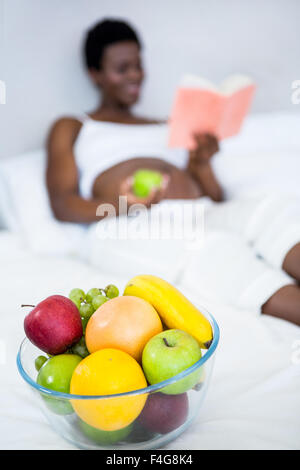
<point x="175" y="310"/>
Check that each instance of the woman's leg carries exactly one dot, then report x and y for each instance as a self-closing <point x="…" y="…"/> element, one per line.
<point x="277" y="236"/>
<point x="285" y="303"/>
<point x="270" y="224"/>
<point x="291" y="263"/>
<point x="226" y="268"/>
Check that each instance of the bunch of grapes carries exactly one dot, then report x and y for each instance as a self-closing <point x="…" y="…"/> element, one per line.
<point x="87" y="304"/>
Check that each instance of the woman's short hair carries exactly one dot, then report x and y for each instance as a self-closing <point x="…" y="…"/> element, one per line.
<point x="102" y="35"/>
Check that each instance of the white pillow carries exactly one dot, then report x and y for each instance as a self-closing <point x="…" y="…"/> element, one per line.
<point x="265" y="155"/>
<point x="25" y="206"/>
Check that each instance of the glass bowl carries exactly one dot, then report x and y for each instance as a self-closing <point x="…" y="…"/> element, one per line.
<point x="164" y="416"/>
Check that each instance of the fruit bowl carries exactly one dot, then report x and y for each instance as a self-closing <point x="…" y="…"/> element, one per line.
<point x="163" y="416"/>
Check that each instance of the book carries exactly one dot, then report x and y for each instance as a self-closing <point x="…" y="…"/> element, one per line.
<point x="200" y="107"/>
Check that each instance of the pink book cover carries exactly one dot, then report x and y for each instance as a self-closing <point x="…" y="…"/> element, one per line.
<point x="201" y="107"/>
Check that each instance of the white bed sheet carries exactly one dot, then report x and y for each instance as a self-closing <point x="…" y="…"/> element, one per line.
<point x="253" y="401"/>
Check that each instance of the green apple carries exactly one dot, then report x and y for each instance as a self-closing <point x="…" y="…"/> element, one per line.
<point x="104" y="437"/>
<point x="56" y="375"/>
<point x="169" y="353"/>
<point x="144" y="181"/>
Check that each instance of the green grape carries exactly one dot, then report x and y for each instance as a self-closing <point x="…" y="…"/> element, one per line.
<point x="80" y="348"/>
<point x="111" y="291"/>
<point x="77" y="296"/>
<point x="77" y="303"/>
<point x="99" y="300"/>
<point x="86" y="310"/>
<point x="39" y="362"/>
<point x="92" y="293"/>
<point x="84" y="322"/>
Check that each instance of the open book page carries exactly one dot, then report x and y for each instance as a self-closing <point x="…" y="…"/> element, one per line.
<point x="201" y="107"/>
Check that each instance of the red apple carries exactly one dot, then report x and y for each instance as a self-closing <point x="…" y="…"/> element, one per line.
<point x="54" y="325"/>
<point x="163" y="413"/>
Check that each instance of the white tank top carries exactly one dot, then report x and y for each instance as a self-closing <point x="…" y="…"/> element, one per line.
<point x="101" y="145"/>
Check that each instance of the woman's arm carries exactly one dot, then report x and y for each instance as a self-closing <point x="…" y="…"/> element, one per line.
<point x="62" y="176"/>
<point x="208" y="182"/>
<point x="200" y="167"/>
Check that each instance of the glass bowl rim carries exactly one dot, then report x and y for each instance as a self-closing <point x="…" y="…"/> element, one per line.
<point x="140" y="391"/>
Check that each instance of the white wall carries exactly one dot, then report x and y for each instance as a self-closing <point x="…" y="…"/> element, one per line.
<point x="40" y="57"/>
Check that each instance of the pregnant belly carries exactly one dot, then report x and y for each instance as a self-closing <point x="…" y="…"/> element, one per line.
<point x="181" y="185"/>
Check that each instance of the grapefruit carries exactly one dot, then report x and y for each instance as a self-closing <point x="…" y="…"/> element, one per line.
<point x="125" y="323"/>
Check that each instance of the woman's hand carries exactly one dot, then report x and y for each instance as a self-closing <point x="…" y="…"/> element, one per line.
<point x="200" y="168"/>
<point x="155" y="196"/>
<point x="206" y="146"/>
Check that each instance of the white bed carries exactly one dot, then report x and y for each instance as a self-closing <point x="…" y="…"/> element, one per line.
<point x="253" y="401"/>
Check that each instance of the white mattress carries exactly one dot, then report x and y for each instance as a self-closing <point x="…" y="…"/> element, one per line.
<point x="253" y="401"/>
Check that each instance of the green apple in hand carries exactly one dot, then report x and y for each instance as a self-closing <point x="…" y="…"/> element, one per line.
<point x="169" y="353"/>
<point x="56" y="374"/>
<point x="144" y="181"/>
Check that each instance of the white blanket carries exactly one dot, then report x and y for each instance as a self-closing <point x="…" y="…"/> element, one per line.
<point x="253" y="401"/>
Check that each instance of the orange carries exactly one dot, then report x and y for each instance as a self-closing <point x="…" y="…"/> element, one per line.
<point x="125" y="323"/>
<point x="108" y="372"/>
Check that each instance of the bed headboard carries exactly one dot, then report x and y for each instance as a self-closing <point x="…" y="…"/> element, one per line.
<point x="44" y="77"/>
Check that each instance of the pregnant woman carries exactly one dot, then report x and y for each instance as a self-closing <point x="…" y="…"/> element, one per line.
<point x="92" y="157"/>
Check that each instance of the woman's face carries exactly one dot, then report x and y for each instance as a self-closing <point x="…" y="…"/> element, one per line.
<point x="121" y="74"/>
